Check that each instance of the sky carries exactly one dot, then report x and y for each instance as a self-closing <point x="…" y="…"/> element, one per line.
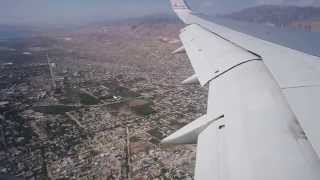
<point x="75" y="11"/>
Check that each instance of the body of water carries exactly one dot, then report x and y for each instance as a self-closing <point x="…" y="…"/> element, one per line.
<point x="13" y="33"/>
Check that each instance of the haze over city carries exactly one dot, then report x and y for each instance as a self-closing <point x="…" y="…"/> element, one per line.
<point x="97" y="89"/>
<point x="84" y="11"/>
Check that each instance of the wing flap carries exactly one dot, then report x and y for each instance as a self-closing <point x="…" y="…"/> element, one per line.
<point x="207" y="167"/>
<point x="211" y="55"/>
<point x="305" y="102"/>
<point x="291" y="68"/>
<point x="258" y="138"/>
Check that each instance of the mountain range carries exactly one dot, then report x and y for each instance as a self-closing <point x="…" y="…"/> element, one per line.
<point x="283" y="16"/>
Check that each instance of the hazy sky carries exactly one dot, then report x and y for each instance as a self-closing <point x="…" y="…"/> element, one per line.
<point x="74" y="11"/>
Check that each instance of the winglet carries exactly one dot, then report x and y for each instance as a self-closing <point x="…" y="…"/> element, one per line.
<point x="182" y="9"/>
<point x="180" y="5"/>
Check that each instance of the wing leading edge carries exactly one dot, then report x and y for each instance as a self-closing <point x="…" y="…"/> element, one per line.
<point x="268" y="95"/>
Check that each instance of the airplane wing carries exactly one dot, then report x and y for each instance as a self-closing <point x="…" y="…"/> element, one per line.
<point x="263" y="113"/>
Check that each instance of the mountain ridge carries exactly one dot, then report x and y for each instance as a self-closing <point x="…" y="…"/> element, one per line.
<point x="277" y="15"/>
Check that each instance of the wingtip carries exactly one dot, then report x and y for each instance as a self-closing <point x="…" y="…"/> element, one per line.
<point x="180" y="4"/>
<point x="182" y="9"/>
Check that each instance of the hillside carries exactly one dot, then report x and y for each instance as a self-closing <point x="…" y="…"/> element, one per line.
<point x="283" y="16"/>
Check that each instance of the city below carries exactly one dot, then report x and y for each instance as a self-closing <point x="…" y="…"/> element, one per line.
<point x="95" y="104"/>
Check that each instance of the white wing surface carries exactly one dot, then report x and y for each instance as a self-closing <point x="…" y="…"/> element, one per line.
<point x="263" y="105"/>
